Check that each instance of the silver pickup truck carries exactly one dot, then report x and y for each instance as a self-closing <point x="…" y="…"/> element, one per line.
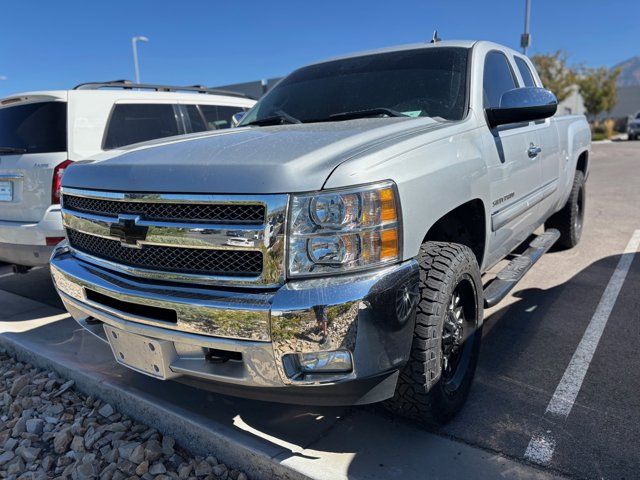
<point x="333" y="248"/>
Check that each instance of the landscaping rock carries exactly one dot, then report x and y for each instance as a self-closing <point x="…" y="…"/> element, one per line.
<point x="35" y="425"/>
<point x="18" y="384"/>
<point x="62" y="440"/>
<point x="106" y="410"/>
<point x="48" y="430"/>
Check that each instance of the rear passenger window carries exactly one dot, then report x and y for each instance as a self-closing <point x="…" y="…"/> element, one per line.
<point x="525" y="72"/>
<point x="137" y="122"/>
<point x="195" y="119"/>
<point x="498" y="78"/>
<point x="219" y="117"/>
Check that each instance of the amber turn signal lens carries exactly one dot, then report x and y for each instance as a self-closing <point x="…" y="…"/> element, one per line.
<point x="388" y="205"/>
<point x="388" y="244"/>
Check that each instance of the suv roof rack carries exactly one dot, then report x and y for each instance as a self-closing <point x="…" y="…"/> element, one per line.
<point x="129" y="85"/>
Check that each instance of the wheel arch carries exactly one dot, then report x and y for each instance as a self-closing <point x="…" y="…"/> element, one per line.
<point x="465" y="224"/>
<point x="582" y="163"/>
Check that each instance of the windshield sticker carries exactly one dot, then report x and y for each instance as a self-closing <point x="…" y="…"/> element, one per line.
<point x="415" y="113"/>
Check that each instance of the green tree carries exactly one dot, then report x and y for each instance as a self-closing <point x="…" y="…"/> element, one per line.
<point x="598" y="89"/>
<point x="555" y="73"/>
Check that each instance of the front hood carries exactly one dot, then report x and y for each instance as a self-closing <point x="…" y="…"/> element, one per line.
<point x="282" y="159"/>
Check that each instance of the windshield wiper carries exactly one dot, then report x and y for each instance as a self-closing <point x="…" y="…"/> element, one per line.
<point x="13" y="150"/>
<point x="370" y="112"/>
<point x="281" y="117"/>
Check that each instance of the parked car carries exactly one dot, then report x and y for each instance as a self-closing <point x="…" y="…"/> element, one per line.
<point x="382" y="186"/>
<point x="633" y="127"/>
<point x="42" y="133"/>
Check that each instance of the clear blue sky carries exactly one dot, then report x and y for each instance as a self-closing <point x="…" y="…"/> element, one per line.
<point x="49" y="45"/>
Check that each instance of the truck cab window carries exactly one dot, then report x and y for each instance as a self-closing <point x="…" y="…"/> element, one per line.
<point x="525" y="72"/>
<point x="429" y="82"/>
<point x="498" y="78"/>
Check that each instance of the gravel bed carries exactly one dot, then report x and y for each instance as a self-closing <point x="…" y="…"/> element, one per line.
<point x="50" y="430"/>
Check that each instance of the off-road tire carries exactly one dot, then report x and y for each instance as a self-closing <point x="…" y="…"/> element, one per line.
<point x="421" y="394"/>
<point x="570" y="220"/>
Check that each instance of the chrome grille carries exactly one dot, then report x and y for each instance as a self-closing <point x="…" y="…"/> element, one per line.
<point x="235" y="240"/>
<point x="169" y="212"/>
<point x="170" y="259"/>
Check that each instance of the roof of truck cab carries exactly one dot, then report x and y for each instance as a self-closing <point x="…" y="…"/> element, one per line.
<point x="400" y="48"/>
<point x="122" y="94"/>
<point x="415" y="46"/>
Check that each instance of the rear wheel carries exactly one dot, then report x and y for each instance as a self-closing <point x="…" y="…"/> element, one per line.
<point x="570" y="220"/>
<point x="436" y="380"/>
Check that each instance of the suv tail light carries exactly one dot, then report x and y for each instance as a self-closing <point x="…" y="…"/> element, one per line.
<point x="57" y="181"/>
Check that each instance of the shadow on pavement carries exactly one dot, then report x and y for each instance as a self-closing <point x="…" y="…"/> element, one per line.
<point x="36" y="285"/>
<point x="527" y="346"/>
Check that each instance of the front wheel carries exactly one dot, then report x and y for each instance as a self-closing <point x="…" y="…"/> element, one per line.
<point x="435" y="382"/>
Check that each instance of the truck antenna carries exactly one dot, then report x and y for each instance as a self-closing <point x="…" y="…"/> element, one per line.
<point x="435" y="38"/>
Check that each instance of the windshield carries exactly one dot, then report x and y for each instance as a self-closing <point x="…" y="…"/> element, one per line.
<point x="34" y="127"/>
<point x="416" y="83"/>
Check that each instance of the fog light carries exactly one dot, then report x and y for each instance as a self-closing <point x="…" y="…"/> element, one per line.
<point x="299" y="364"/>
<point x="318" y="362"/>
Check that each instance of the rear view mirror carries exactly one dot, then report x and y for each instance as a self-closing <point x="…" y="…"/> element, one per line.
<point x="236" y="118"/>
<point x="523" y="105"/>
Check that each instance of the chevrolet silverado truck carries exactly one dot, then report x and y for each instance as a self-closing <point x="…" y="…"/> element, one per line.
<point x="335" y="247"/>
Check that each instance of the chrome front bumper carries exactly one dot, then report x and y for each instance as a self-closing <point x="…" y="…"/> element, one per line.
<point x="370" y="315"/>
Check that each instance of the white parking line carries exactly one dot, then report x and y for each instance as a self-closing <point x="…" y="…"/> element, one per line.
<point x="541" y="446"/>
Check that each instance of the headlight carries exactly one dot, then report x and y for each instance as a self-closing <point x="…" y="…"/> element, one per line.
<point x="340" y="230"/>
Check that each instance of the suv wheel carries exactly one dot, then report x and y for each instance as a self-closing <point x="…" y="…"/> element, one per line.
<point x="570" y="219"/>
<point x="435" y="382"/>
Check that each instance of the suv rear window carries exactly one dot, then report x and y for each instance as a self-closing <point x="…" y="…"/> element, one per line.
<point x="36" y="127"/>
<point x="139" y="122"/>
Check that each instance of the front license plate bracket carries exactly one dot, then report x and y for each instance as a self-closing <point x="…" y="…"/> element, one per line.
<point x="146" y="355"/>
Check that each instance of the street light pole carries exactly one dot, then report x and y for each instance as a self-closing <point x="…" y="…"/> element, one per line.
<point x="525" y="40"/>
<point x="134" y="46"/>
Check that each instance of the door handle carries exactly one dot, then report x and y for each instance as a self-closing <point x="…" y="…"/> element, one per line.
<point x="534" y="151"/>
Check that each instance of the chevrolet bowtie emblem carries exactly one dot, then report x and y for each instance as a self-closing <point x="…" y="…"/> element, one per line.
<point x="128" y="231"/>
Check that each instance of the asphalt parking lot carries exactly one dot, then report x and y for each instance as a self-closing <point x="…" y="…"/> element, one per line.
<point x="530" y="340"/>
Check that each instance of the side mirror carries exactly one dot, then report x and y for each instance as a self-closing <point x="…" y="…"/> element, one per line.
<point x="236" y="118"/>
<point x="523" y="105"/>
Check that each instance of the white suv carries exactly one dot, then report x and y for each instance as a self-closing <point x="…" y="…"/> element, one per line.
<point x="41" y="133"/>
